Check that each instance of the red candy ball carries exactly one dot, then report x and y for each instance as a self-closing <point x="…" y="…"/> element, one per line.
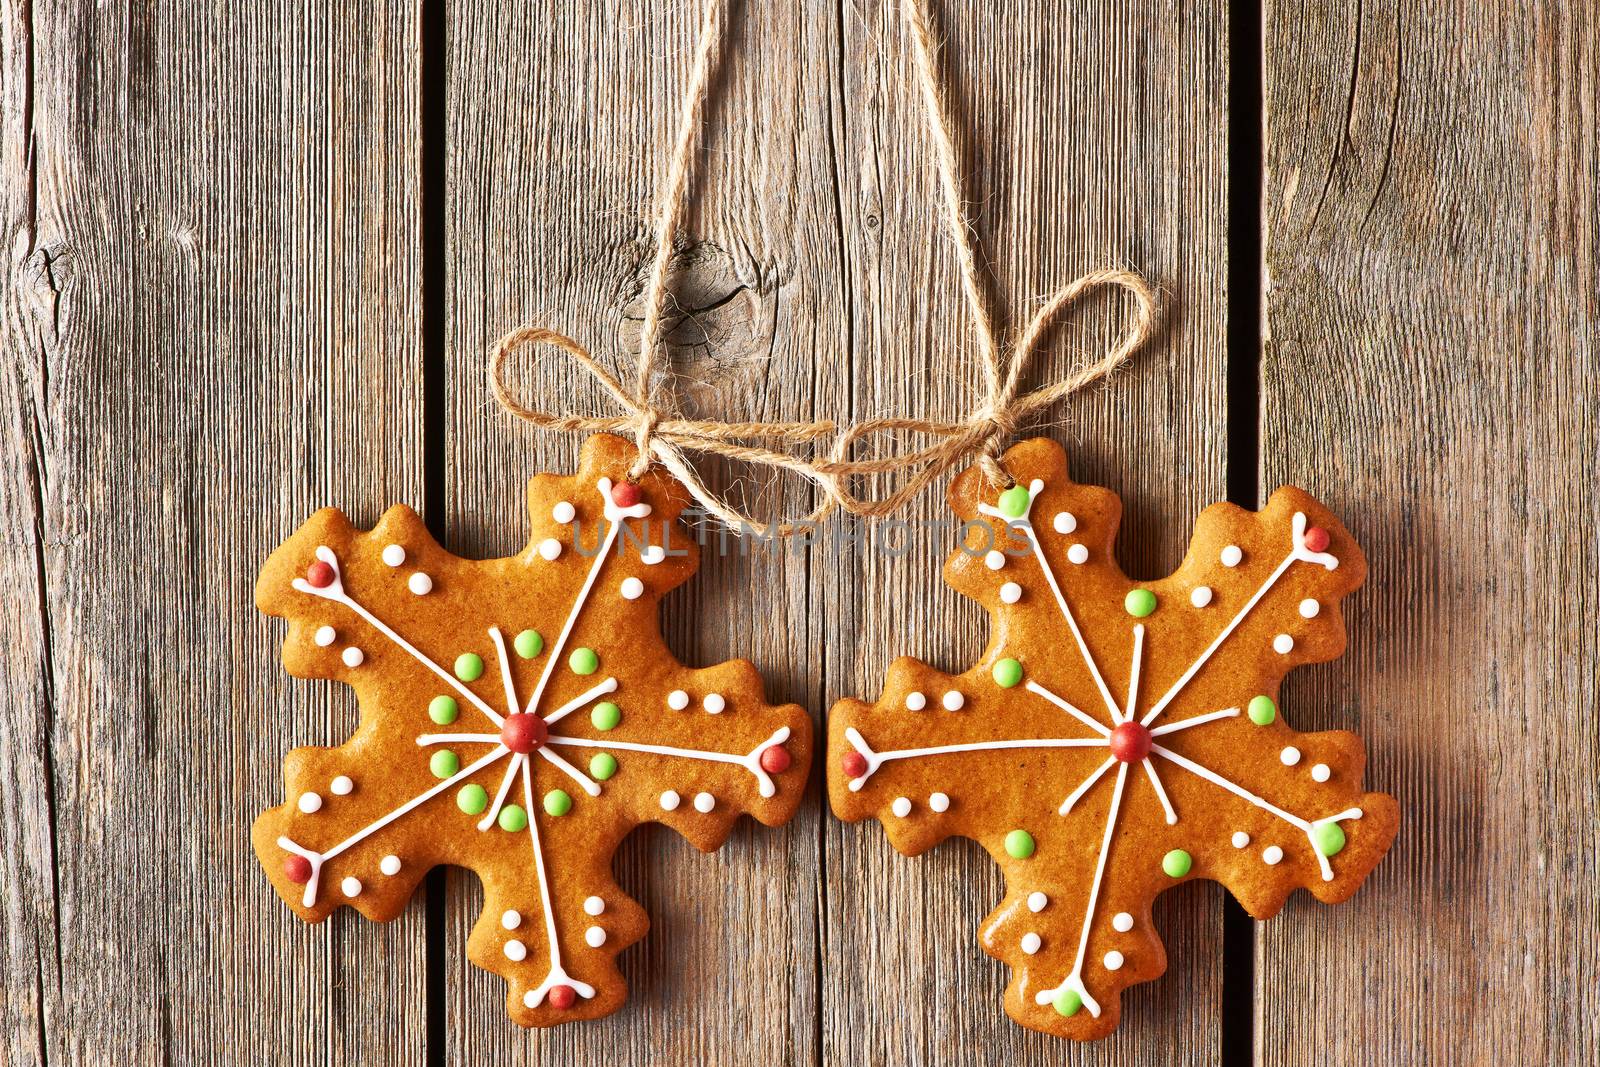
<point x="776" y="760"/>
<point x="320" y="574"/>
<point x="625" y="494"/>
<point x="297" y="869"/>
<point x="562" y="997"/>
<point x="1130" y="742"/>
<point x="855" y="764"/>
<point x="523" y="733"/>
<point x="1317" y="539"/>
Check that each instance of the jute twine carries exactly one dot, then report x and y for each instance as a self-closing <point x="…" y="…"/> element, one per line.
<point x="981" y="434"/>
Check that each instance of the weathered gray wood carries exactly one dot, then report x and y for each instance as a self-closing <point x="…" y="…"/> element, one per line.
<point x="210" y="330"/>
<point x="1433" y="308"/>
<point x="560" y="121"/>
<point x="1097" y="136"/>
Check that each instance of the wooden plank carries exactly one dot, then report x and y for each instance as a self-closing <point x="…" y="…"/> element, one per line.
<point x="1431" y="301"/>
<point x="560" y="121"/>
<point x="210" y="329"/>
<point x="1098" y="136"/>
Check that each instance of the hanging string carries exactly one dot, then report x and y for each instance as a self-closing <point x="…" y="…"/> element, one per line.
<point x="984" y="431"/>
<point x="661" y="439"/>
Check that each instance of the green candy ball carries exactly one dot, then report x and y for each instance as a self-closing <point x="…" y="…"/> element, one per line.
<point x="1019" y="844"/>
<point x="1014" y="502"/>
<point x="1262" y="710"/>
<point x="1139" y="603"/>
<point x="469" y="666"/>
<point x="443" y="710"/>
<point x="557" y="802"/>
<point x="1329" y="838"/>
<point x="602" y="766"/>
<point x="528" y="644"/>
<point x="444" y="763"/>
<point x="583" y="661"/>
<point x="472" y="799"/>
<point x="1177" y="863"/>
<point x="1007" y="673"/>
<point x="1067" y="1002"/>
<point x="605" y="715"/>
<point x="513" y="818"/>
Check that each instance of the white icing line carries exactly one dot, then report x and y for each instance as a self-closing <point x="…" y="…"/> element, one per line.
<point x="1077" y="794"/>
<point x="450" y="739"/>
<point x="505" y="669"/>
<point x="1133" y="673"/>
<point x="1216" y="779"/>
<point x="613" y="527"/>
<point x="1161" y="794"/>
<point x="1035" y="687"/>
<point x="335" y="592"/>
<point x="877" y="759"/>
<point x="1198" y="720"/>
<point x="589" y="785"/>
<point x="500" y="794"/>
<point x="318" y="859"/>
<point x="1074" y="980"/>
<point x="607" y="686"/>
<point x="1072" y="622"/>
<point x="750" y="761"/>
<point x="557" y="976"/>
<point x="1298" y="552"/>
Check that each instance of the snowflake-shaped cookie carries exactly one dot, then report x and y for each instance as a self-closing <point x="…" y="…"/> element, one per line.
<point x="1119" y="737"/>
<point x="518" y="717"/>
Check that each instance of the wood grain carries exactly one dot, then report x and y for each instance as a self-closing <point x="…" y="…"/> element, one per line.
<point x="210" y="331"/>
<point x="1432" y="304"/>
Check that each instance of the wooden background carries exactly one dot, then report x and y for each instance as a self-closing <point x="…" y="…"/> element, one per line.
<point x="254" y="254"/>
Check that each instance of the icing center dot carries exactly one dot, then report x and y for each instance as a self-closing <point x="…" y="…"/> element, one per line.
<point x="523" y="733"/>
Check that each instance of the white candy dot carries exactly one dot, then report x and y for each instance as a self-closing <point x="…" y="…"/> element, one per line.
<point x="325" y="636"/>
<point x="1122" y="922"/>
<point x="1283" y="644"/>
<point x="1037" y="902"/>
<point x="1271" y="855"/>
<point x="353" y="656"/>
<point x="1321" y="773"/>
<point x="954" y="701"/>
<point x="351" y="887"/>
<point x="677" y="700"/>
<point x="1010" y="593"/>
<point x="420" y="584"/>
<point x="1113" y="960"/>
<point x="394" y="555"/>
<point x="550" y="548"/>
<point x="1290" y="756"/>
<point x="1200" y="596"/>
<point x="594" y="906"/>
<point x="704" y="802"/>
<point x="939" y="802"/>
<point x="632" y="589"/>
<point x="1065" y="522"/>
<point x="653" y="554"/>
<point x="310" y="802"/>
<point x="341" y="786"/>
<point x="389" y="865"/>
<point x="715" y="703"/>
<point x="670" y="800"/>
<point x="1232" y="556"/>
<point x="1240" y="839"/>
<point x="1031" y="943"/>
<point x="563" y="511"/>
<point x="1309" y="609"/>
<point x="516" y="951"/>
<point x="511" y="920"/>
<point x="901" y="807"/>
<point x="1077" y="554"/>
<point x="915" y="701"/>
<point x="594" y="936"/>
<point x="995" y="559"/>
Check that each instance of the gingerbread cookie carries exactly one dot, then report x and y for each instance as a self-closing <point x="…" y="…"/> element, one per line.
<point x="1120" y="737"/>
<point x="518" y="717"/>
